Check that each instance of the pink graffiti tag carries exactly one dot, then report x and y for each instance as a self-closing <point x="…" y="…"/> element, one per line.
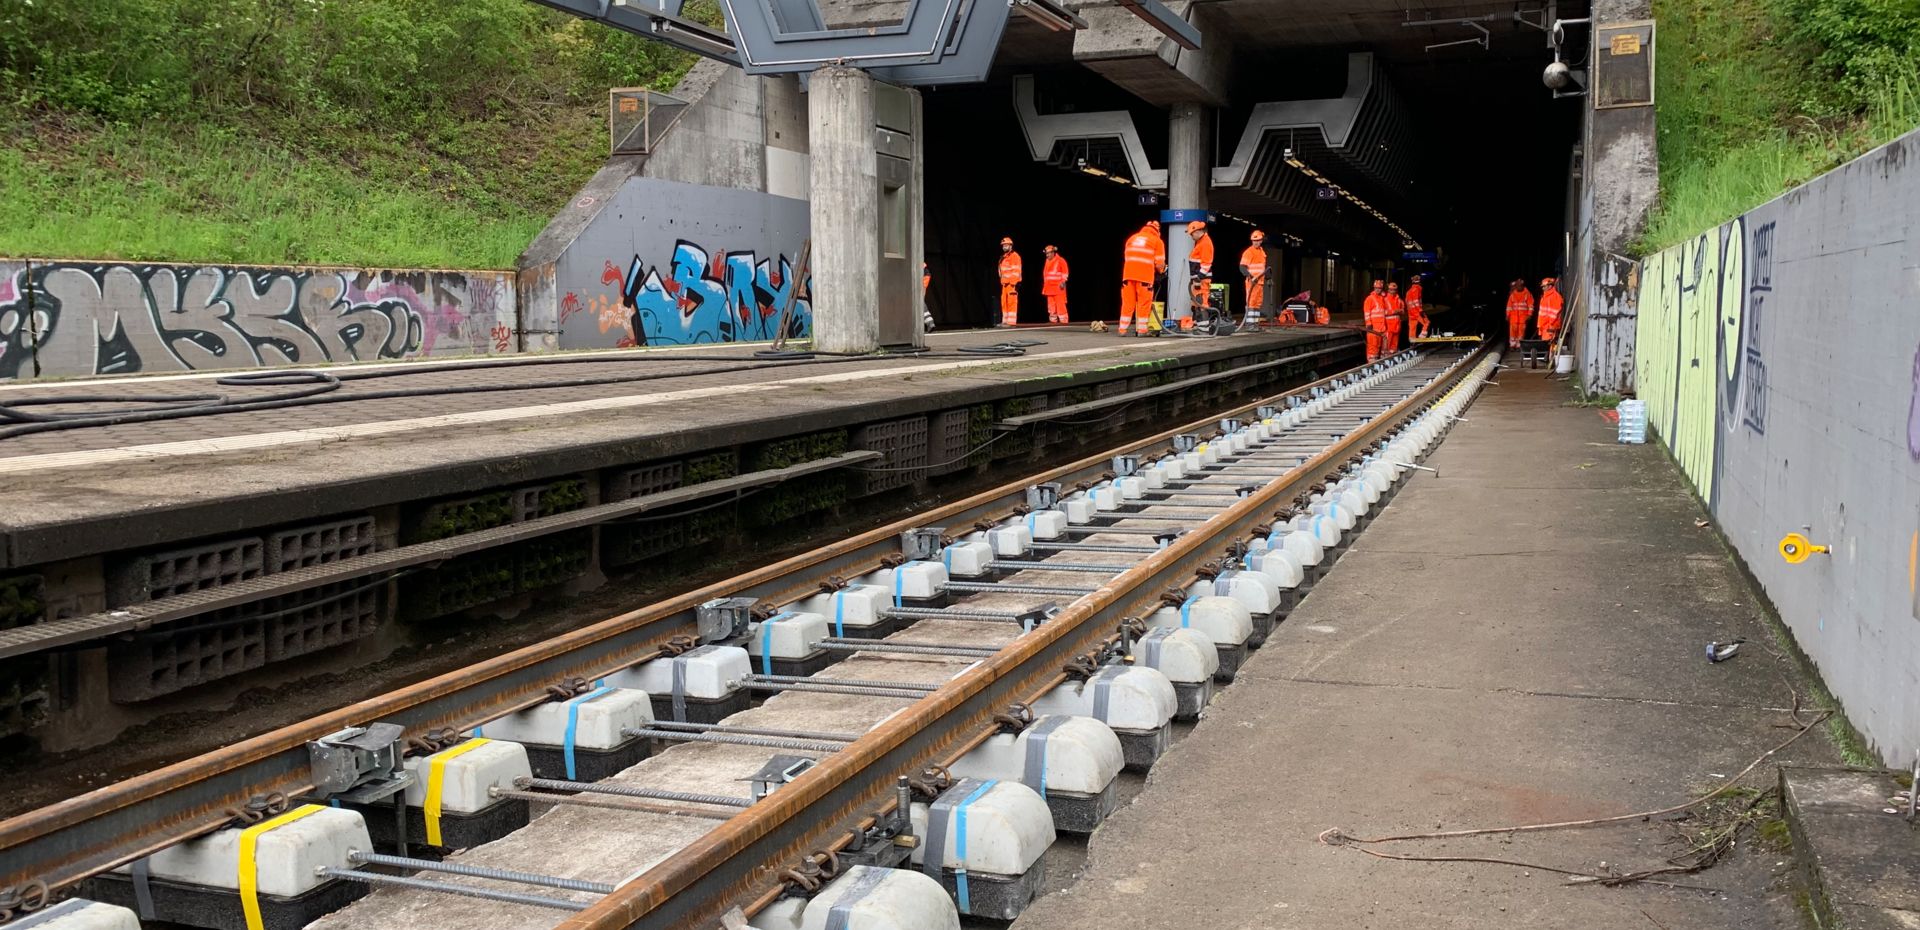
<point x="569" y="306"/>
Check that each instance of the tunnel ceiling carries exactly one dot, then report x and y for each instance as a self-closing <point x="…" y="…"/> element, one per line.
<point x="1477" y="149"/>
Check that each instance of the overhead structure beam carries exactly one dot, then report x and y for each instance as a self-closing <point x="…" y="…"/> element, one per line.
<point x="1170" y="24"/>
<point x="663" y="20"/>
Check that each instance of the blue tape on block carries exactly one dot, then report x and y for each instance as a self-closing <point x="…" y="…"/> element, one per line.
<point x="766" y="641"/>
<point x="960" y="846"/>
<point x="573" y="725"/>
<point x="839" y="613"/>
<point x="1186" y="621"/>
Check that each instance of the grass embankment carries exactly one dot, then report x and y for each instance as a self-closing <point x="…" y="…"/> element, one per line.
<point x="1756" y="96"/>
<point x="359" y="132"/>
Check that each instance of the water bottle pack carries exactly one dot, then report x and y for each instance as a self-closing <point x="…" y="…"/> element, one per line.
<point x="1633" y="420"/>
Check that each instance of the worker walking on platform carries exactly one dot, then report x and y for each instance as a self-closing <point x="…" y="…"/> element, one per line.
<point x="1551" y="303"/>
<point x="1199" y="271"/>
<point x="1321" y="314"/>
<point x="1519" y="309"/>
<point x="1009" y="283"/>
<point x="1146" y="258"/>
<point x="1053" y="284"/>
<point x="1416" y="312"/>
<point x="1374" y="312"/>
<point x="1253" y="268"/>
<point x="1396" y="317"/>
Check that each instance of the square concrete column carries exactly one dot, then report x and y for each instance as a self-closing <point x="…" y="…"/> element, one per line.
<point x="844" y="198"/>
<point x="1189" y="173"/>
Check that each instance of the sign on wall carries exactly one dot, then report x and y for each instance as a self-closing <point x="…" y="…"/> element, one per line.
<point x="1623" y="65"/>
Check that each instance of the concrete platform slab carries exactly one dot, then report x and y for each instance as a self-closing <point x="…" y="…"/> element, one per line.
<point x="1518" y="640"/>
<point x="513" y="424"/>
<point x="1857" y="862"/>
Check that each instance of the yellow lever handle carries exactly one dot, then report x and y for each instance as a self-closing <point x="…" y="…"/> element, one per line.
<point x="1796" y="548"/>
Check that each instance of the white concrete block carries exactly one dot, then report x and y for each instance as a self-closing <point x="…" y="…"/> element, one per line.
<point x="1135" y="698"/>
<point x="1277" y="564"/>
<point x="1079" y="509"/>
<point x="1079" y="755"/>
<point x="967" y="558"/>
<point x="1008" y="828"/>
<point x="1225" y="620"/>
<point x="465" y="777"/>
<point x="1010" y="540"/>
<point x="285" y="857"/>
<point x="598" y="717"/>
<point x="707" y="674"/>
<point x="786" y="635"/>
<point x="1132" y="488"/>
<point x="1259" y="593"/>
<point x="1047" y="524"/>
<point x="914" y="580"/>
<point x="881" y="899"/>
<point x="81" y="914"/>
<point x="1185" y="656"/>
<point x="854" y="607"/>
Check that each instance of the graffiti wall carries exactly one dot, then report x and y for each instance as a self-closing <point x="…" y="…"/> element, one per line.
<point x="70" y="318"/>
<point x="1779" y="356"/>
<point x="667" y="263"/>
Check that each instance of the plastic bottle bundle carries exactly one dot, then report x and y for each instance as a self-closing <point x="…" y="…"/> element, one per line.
<point x="1633" y="420"/>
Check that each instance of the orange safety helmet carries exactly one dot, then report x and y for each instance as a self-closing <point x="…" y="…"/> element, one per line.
<point x="1154" y="223"/>
<point x="1048" y="248"/>
<point x="1259" y="236"/>
<point x="1006" y="240"/>
<point x="1547" y="282"/>
<point x="1196" y="228"/>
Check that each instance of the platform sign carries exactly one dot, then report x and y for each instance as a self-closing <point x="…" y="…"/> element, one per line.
<point x="1185" y="216"/>
<point x="1420" y="258"/>
<point x="1148" y="199"/>
<point x="1325" y="193"/>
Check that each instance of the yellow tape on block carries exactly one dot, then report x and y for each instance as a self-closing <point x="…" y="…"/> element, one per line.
<point x="250" y="872"/>
<point x="437" y="772"/>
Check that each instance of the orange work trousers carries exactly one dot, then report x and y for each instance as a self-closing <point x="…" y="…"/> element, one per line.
<point x="1256" y="295"/>
<point x="1376" y="338"/>
<point x="1549" y="327"/>
<point x="1393" y="334"/>
<point x="1516" y="328"/>
<point x="1136" y="299"/>
<point x="1416" y="326"/>
<point x="1056" y="308"/>
<point x="1009" y="305"/>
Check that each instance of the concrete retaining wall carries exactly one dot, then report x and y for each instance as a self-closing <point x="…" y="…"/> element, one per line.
<point x="695" y="242"/>
<point x="64" y="318"/>
<point x="1779" y="356"/>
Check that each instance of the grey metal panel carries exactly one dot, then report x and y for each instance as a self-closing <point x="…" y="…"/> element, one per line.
<point x="892" y="107"/>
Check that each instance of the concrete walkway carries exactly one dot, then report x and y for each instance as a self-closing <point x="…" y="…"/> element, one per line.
<point x="1517" y="640"/>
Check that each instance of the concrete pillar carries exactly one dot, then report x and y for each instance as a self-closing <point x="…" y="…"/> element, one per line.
<point x="844" y="198"/>
<point x="1189" y="169"/>
<point x="1620" y="183"/>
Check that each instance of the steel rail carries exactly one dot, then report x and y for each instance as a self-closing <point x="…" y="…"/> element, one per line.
<point x="736" y="861"/>
<point x="65" y="842"/>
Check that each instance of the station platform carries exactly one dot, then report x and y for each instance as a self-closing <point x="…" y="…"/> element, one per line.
<point x="1517" y="640"/>
<point x="153" y="483"/>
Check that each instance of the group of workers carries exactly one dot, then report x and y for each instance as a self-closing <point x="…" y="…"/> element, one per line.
<point x="1144" y="262"/>
<point x="1520" y="308"/>
<point x="1385" y="311"/>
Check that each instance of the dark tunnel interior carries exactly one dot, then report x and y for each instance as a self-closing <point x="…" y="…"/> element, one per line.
<point x="1488" y="189"/>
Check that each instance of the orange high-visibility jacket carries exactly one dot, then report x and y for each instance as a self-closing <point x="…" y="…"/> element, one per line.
<point x="1053" y="278"/>
<point x="1375" y="310"/>
<point x="1396" y="306"/>
<point x="1010" y="269"/>
<point x="1146" y="256"/>
<point x="1413" y="300"/>
<point x="1200" y="258"/>
<point x="1551" y="303"/>
<point x="1253" y="262"/>
<point x="1321" y="314"/>
<point x="1520" y="302"/>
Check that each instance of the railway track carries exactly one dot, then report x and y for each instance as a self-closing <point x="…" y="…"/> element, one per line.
<point x="758" y="750"/>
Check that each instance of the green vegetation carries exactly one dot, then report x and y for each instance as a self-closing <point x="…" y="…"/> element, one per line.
<point x="1756" y="96"/>
<point x="370" y="132"/>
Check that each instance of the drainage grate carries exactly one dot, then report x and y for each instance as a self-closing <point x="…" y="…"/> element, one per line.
<point x="949" y="441"/>
<point x="179" y="571"/>
<point x="327" y="616"/>
<point x="545" y="500"/>
<point x="318" y="545"/>
<point x="647" y="479"/>
<point x="151" y="666"/>
<point x="904" y="443"/>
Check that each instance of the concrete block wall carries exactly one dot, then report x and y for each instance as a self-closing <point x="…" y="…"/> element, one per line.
<point x="68" y="318"/>
<point x="697" y="241"/>
<point x="1779" y="356"/>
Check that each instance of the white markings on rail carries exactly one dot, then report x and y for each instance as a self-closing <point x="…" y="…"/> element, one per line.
<point x="254" y="441"/>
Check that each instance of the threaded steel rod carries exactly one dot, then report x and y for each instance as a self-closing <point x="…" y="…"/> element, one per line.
<point x="1094" y="547"/>
<point x="633" y="791"/>
<point x="606" y="803"/>
<point x="930" y="649"/>
<point x="469" y="891"/>
<point x="935" y="613"/>
<point x="856" y="682"/>
<point x="1059" y="567"/>
<point x="855" y="690"/>
<point x="1003" y="587"/>
<point x="771" y="742"/>
<point x="478" y="871"/>
<point x="755" y="731"/>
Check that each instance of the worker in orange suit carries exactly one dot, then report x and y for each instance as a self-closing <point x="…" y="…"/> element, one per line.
<point x="1009" y="284"/>
<point x="1199" y="270"/>
<point x="1146" y="258"/>
<point x="926" y="278"/>
<point x="1374" y="312"/>
<point x="1396" y="317"/>
<point x="1053" y="284"/>
<point x="1253" y="268"/>
<point x="1551" y="303"/>
<point x="1417" y="325"/>
<point x="1519" y="309"/>
<point x="1321" y="314"/>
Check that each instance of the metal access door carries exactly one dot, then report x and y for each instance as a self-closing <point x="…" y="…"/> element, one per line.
<point x="895" y="112"/>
